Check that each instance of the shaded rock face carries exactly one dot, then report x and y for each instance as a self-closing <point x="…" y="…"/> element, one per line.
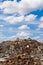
<point x="21" y="52"/>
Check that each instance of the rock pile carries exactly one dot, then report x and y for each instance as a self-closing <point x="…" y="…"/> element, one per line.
<point x="21" y="52"/>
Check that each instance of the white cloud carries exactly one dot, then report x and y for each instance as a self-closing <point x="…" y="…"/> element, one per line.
<point x="26" y="19"/>
<point x="30" y="5"/>
<point x="30" y="17"/>
<point x="40" y="25"/>
<point x="23" y="35"/>
<point x="9" y="7"/>
<point x="23" y="7"/>
<point x="23" y="27"/>
<point x="41" y="19"/>
<point x="14" y="20"/>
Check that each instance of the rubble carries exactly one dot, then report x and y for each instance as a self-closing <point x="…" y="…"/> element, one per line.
<point x="21" y="52"/>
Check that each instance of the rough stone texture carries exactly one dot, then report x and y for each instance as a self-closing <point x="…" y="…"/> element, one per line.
<point x="21" y="52"/>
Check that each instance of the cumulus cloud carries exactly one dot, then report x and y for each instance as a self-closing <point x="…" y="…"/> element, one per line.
<point x="23" y="35"/>
<point x="30" y="17"/>
<point x="14" y="20"/>
<point x="23" y="27"/>
<point x="9" y="7"/>
<point x="23" y="7"/>
<point x="40" y="25"/>
<point x="41" y="19"/>
<point x="30" y="5"/>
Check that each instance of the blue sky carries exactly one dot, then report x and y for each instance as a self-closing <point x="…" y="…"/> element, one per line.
<point x="21" y="18"/>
